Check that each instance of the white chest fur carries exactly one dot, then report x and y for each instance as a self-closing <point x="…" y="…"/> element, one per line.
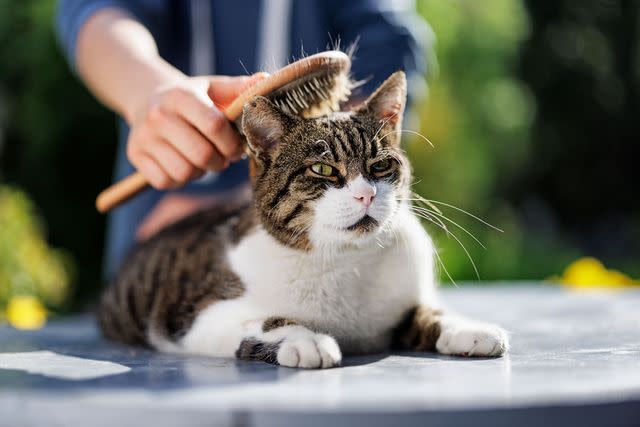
<point x="355" y="295"/>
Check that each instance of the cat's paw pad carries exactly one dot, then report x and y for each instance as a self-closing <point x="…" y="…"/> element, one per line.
<point x="466" y="338"/>
<point x="312" y="351"/>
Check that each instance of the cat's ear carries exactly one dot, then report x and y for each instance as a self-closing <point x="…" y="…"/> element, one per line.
<point x="264" y="125"/>
<point x="387" y="103"/>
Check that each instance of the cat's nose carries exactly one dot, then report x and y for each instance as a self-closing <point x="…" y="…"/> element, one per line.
<point x="365" y="200"/>
<point x="364" y="193"/>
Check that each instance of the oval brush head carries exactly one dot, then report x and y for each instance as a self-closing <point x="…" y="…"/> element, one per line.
<point x="310" y="87"/>
<point x="316" y="94"/>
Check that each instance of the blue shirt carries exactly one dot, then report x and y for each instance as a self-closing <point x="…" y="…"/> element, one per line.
<point x="233" y="38"/>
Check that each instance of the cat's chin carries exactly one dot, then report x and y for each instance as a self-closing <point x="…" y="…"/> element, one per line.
<point x="364" y="225"/>
<point x="365" y="232"/>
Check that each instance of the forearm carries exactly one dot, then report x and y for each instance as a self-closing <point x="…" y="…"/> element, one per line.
<point x="118" y="60"/>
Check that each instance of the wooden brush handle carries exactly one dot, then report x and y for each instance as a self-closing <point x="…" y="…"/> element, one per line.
<point x="135" y="183"/>
<point x="121" y="191"/>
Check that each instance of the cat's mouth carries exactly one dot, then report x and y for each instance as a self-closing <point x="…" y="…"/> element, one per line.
<point x="364" y="224"/>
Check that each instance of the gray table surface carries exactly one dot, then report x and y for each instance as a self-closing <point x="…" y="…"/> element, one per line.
<point x="575" y="360"/>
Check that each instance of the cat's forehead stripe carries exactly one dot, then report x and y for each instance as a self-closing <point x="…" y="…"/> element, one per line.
<point x="346" y="138"/>
<point x="374" y="147"/>
<point x="363" y="141"/>
<point x="349" y="141"/>
<point x="342" y="142"/>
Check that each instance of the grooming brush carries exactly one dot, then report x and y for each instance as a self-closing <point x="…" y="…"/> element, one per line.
<point x="310" y="87"/>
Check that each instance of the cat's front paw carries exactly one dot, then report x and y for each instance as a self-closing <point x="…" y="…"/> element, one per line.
<point x="309" y="351"/>
<point x="463" y="337"/>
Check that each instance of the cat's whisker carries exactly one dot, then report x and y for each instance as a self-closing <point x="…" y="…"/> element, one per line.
<point x="449" y="233"/>
<point x="395" y="233"/>
<point x="403" y="238"/>
<point x="426" y="201"/>
<point x="412" y="132"/>
<point x="422" y="208"/>
<point x="464" y="248"/>
<point x="382" y="125"/>
<point x="457" y="225"/>
<point x="435" y="252"/>
<point x="388" y="228"/>
<point x="466" y="213"/>
<point x="419" y="198"/>
<point x="431" y="218"/>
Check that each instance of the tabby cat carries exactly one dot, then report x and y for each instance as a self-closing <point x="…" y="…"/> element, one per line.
<point x="327" y="259"/>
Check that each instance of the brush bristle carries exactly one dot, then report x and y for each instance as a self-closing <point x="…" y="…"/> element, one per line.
<point x="315" y="95"/>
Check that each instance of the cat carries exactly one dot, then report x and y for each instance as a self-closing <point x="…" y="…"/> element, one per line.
<point x="326" y="260"/>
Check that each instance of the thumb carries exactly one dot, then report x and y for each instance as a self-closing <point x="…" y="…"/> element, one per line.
<point x="224" y="89"/>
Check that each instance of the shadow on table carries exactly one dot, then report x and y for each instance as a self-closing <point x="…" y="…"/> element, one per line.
<point x="151" y="370"/>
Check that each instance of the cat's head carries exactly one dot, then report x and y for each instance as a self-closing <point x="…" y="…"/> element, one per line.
<point x="333" y="180"/>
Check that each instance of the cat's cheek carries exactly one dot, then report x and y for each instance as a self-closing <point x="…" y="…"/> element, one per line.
<point x="336" y="210"/>
<point x="385" y="204"/>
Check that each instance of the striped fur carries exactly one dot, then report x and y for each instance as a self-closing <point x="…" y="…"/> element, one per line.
<point x="419" y="330"/>
<point x="167" y="280"/>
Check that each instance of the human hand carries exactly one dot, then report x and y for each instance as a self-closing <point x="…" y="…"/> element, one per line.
<point x="175" y="206"/>
<point x="170" y="208"/>
<point x="180" y="131"/>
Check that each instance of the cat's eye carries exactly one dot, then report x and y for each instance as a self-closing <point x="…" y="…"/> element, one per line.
<point x="381" y="166"/>
<point x="322" y="169"/>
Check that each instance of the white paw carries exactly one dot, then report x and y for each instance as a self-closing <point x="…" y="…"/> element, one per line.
<point x="467" y="338"/>
<point x="309" y="351"/>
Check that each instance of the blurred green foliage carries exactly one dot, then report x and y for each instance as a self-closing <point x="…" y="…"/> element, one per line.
<point x="582" y="62"/>
<point x="478" y="116"/>
<point x="28" y="266"/>
<point x="56" y="141"/>
<point x="527" y="134"/>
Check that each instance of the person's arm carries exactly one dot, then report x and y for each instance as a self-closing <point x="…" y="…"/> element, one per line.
<point x="177" y="131"/>
<point x="118" y="60"/>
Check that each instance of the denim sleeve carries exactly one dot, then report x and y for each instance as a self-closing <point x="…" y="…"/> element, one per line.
<point x="71" y="16"/>
<point x="390" y="36"/>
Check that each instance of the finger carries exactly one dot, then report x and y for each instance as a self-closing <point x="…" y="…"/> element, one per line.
<point x="197" y="174"/>
<point x="224" y="135"/>
<point x="207" y="119"/>
<point x="224" y="89"/>
<point x="154" y="174"/>
<point x="163" y="214"/>
<point x="168" y="210"/>
<point x="170" y="160"/>
<point x="191" y="144"/>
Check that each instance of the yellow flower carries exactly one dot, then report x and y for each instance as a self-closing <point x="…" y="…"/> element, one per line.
<point x="26" y="312"/>
<point x="589" y="272"/>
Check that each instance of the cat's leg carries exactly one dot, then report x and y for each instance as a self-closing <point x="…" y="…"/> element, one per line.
<point x="427" y="329"/>
<point x="230" y="328"/>
<point x="284" y="342"/>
